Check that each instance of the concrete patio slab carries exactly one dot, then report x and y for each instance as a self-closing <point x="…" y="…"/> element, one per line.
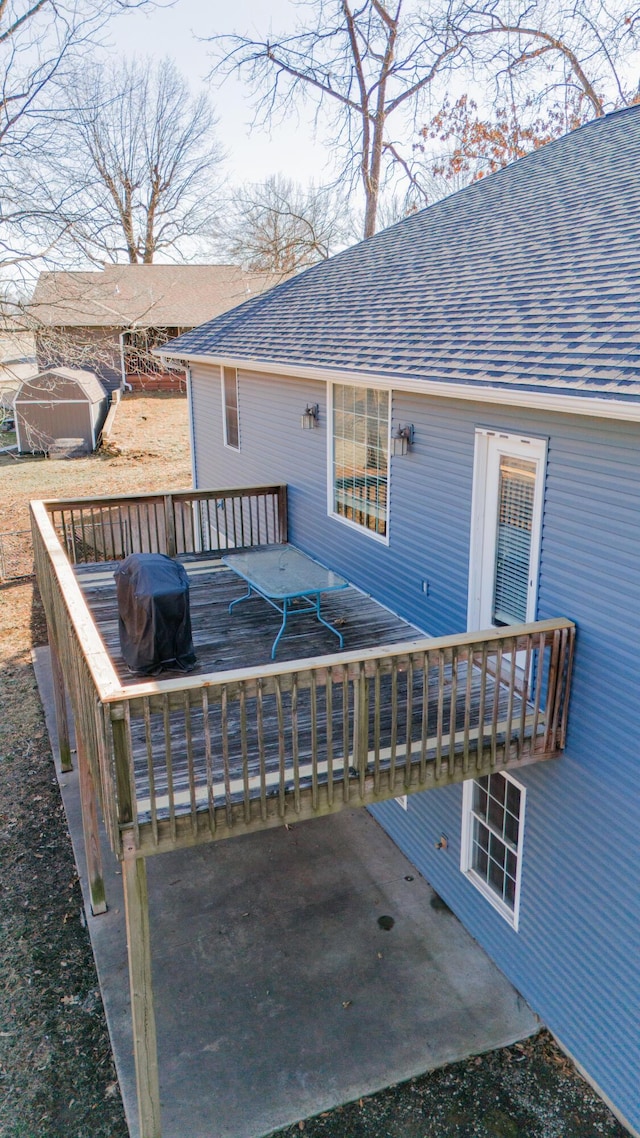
<point x="279" y="992"/>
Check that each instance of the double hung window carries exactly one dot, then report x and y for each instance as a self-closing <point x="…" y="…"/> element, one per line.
<point x="493" y="823"/>
<point x="360" y="466"/>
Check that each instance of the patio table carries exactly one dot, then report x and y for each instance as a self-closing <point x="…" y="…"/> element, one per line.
<point x="286" y="579"/>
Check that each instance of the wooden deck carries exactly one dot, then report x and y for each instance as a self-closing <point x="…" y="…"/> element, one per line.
<point x="260" y="746"/>
<point x="243" y="639"/>
<point x="243" y="742"/>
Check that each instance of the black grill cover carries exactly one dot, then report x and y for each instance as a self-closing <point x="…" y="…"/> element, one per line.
<point x="153" y="611"/>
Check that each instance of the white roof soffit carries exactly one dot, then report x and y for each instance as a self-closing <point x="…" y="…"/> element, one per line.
<point x="602" y="407"/>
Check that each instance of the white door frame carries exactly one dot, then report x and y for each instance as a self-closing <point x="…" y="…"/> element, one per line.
<point x="489" y="447"/>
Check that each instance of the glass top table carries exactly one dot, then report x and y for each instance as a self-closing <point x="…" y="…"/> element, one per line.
<point x="288" y="580"/>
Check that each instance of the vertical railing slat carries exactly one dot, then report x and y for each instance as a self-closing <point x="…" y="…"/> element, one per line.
<point x="261" y="747"/>
<point x="393" y="739"/>
<point x="346" y="747"/>
<point x="244" y="753"/>
<point x="186" y="704"/>
<point x="512" y="656"/>
<point x="377" y="707"/>
<point x="329" y="719"/>
<point x="440" y="723"/>
<point x="153" y="807"/>
<point x="409" y="725"/>
<point x="208" y="759"/>
<point x="497" y="691"/>
<point x="468" y="689"/>
<point x="484" y="660"/>
<point x="295" y="756"/>
<point x="282" y="803"/>
<point x="424" y="722"/>
<point x="453" y="713"/>
<point x="313" y="696"/>
<point x="524" y="700"/>
<point x="168" y="758"/>
<point x="224" y="739"/>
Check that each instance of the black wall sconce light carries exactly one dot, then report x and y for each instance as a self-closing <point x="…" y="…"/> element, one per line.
<point x="402" y="440"/>
<point x="309" y="417"/>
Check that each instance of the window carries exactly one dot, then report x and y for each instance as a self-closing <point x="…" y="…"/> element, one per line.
<point x="492" y="832"/>
<point x="230" y="407"/>
<point x="516" y="494"/>
<point x="360" y="456"/>
<point x="506" y="526"/>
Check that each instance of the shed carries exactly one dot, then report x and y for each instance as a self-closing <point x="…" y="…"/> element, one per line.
<point x="59" y="403"/>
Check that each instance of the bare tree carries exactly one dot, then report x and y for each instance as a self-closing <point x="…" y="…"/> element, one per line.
<point x="372" y="63"/>
<point x="366" y="62"/>
<point x="281" y="227"/>
<point x="583" y="56"/>
<point x="142" y="167"/>
<point x="540" y="71"/>
<point x="40" y="42"/>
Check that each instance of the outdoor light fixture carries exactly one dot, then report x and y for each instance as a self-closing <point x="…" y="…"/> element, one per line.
<point x="402" y="440"/>
<point x="309" y="417"/>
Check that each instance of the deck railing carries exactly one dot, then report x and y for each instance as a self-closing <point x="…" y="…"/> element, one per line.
<point x="186" y="760"/>
<point x="109" y="529"/>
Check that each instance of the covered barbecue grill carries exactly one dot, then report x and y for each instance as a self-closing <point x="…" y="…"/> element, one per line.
<point x="153" y="613"/>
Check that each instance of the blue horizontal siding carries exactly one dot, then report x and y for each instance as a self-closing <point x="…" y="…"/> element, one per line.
<point x="576" y="954"/>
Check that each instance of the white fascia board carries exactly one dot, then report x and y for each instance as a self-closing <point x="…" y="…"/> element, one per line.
<point x="543" y="400"/>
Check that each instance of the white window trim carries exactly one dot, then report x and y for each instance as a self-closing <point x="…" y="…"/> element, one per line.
<point x="229" y="445"/>
<point x="483" y="528"/>
<point x="382" y="538"/>
<point x="511" y="916"/>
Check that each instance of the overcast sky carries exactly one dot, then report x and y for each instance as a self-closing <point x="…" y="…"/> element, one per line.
<point x="173" y="31"/>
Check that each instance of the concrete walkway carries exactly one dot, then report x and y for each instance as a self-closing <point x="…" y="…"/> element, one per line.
<point x="279" y="992"/>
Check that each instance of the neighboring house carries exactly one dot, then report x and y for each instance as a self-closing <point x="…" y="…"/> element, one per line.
<point x="59" y="403"/>
<point x="108" y="321"/>
<point x="494" y="337"/>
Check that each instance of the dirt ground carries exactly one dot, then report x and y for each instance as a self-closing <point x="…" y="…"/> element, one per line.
<point x="57" y="1078"/>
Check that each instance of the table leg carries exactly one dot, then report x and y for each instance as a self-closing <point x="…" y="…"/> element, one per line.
<point x="284" y="610"/>
<point x="326" y="622"/>
<point x="244" y="597"/>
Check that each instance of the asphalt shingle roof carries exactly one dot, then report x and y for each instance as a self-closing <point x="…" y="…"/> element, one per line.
<point x="530" y="277"/>
<point x="174" y="296"/>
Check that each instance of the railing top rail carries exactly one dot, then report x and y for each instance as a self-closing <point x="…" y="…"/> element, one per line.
<point x="344" y="659"/>
<point x="54" y="504"/>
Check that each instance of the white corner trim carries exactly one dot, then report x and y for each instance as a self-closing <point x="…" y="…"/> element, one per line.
<point x="542" y="399"/>
<point x="192" y="429"/>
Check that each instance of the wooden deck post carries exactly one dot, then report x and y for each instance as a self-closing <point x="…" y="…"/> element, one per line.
<point x="91" y="833"/>
<point x="136" y="903"/>
<point x="60" y="702"/>
<point x="283" y="519"/>
<point x="169" y="527"/>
